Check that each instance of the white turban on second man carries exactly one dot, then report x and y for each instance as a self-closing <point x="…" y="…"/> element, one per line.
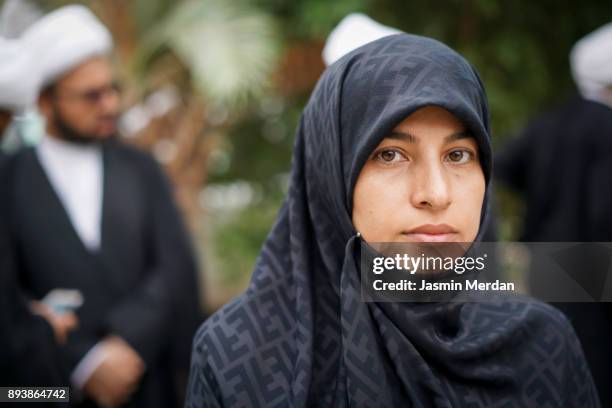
<point x="65" y="38"/>
<point x="591" y="63"/>
<point x="353" y="31"/>
<point x="19" y="76"/>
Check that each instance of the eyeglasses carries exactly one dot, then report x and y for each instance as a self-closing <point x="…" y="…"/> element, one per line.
<point x="95" y="95"/>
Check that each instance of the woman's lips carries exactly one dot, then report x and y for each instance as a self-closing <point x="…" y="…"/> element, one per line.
<point x="431" y="233"/>
<point x="430" y="237"/>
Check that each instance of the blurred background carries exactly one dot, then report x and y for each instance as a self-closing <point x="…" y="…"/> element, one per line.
<point x="214" y="90"/>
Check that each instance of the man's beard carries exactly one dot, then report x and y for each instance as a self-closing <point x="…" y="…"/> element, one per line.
<point x="5" y="121"/>
<point x="68" y="133"/>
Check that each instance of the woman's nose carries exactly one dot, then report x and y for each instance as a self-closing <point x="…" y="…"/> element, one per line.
<point x="431" y="189"/>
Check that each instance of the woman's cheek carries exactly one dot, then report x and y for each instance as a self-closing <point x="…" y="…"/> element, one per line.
<point x="474" y="196"/>
<point x="376" y="196"/>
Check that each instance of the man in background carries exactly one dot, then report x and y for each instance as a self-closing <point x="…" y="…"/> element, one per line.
<point x="28" y="330"/>
<point x="92" y="214"/>
<point x="562" y="165"/>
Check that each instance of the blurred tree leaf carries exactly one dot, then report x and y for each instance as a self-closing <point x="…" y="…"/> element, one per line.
<point x="230" y="49"/>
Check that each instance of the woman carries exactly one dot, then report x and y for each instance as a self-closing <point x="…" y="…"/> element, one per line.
<point x="394" y="145"/>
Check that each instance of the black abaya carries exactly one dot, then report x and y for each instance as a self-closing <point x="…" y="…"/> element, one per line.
<point x="301" y="336"/>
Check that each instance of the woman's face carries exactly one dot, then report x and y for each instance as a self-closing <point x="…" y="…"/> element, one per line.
<point x="422" y="183"/>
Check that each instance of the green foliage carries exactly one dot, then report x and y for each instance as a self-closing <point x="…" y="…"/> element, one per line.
<point x="261" y="145"/>
<point x="311" y="18"/>
<point x="260" y="148"/>
<point x="239" y="239"/>
<point x="148" y="13"/>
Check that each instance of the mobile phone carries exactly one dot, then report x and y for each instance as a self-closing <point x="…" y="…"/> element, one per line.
<point x="63" y="300"/>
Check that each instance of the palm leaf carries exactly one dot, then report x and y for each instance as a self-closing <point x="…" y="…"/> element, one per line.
<point x="229" y="49"/>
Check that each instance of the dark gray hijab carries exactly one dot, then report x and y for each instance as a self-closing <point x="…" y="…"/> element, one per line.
<point x="300" y="336"/>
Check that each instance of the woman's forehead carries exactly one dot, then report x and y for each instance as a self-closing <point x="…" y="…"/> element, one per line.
<point x="429" y="120"/>
<point x="431" y="114"/>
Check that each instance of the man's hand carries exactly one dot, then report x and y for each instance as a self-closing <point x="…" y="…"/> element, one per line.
<point x="62" y="324"/>
<point x="117" y="377"/>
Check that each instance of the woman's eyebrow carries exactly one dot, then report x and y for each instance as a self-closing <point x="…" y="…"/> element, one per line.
<point x="409" y="138"/>
<point x="457" y="136"/>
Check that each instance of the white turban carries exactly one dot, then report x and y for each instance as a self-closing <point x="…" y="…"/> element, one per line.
<point x="591" y="62"/>
<point x="65" y="38"/>
<point x="19" y="79"/>
<point x="352" y="32"/>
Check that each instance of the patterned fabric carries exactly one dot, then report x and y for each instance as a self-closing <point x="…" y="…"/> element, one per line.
<point x="300" y="336"/>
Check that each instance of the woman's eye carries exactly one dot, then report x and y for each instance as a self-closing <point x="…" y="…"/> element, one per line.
<point x="460" y="156"/>
<point x="389" y="156"/>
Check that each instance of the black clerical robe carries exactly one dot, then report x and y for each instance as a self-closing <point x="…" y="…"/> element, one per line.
<point x="562" y="165"/>
<point x="139" y="285"/>
<point x="28" y="354"/>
